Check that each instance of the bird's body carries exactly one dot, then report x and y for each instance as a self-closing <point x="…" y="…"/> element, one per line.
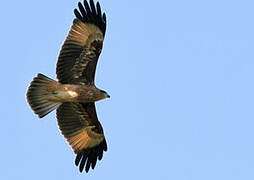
<point x="61" y="93"/>
<point x="74" y="94"/>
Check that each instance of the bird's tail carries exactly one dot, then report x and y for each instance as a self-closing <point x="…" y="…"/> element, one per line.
<point x="38" y="94"/>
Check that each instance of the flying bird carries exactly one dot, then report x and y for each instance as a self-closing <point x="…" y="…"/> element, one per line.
<point x="74" y="94"/>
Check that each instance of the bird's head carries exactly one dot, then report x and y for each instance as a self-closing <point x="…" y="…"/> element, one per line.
<point x="104" y="94"/>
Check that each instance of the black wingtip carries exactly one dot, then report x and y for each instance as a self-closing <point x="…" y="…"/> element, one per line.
<point x="78" y="158"/>
<point x="81" y="8"/>
<point x="77" y="14"/>
<point x="88" y="158"/>
<point x="91" y="14"/>
<point x="104" y="17"/>
<point x="105" y="147"/>
<point x="85" y="156"/>
<point x="94" y="13"/>
<point x="98" y="9"/>
<point x="88" y="163"/>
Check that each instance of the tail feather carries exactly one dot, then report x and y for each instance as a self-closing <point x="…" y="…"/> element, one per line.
<point x="38" y="93"/>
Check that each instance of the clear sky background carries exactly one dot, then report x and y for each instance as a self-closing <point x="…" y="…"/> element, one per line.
<point x="181" y="79"/>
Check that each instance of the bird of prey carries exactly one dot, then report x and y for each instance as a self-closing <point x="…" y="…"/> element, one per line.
<point x="74" y="94"/>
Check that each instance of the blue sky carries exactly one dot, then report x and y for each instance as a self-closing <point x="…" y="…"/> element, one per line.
<point x="180" y="75"/>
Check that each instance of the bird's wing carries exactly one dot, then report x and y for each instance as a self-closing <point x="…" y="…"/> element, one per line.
<point x="79" y="124"/>
<point x="80" y="52"/>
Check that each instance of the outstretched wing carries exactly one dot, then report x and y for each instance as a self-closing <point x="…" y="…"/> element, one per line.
<point x="79" y="124"/>
<point x="80" y="52"/>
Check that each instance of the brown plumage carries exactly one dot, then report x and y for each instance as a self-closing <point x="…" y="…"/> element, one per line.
<point x="75" y="93"/>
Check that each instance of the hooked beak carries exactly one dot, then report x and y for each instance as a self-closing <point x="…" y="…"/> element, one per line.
<point x="108" y="96"/>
